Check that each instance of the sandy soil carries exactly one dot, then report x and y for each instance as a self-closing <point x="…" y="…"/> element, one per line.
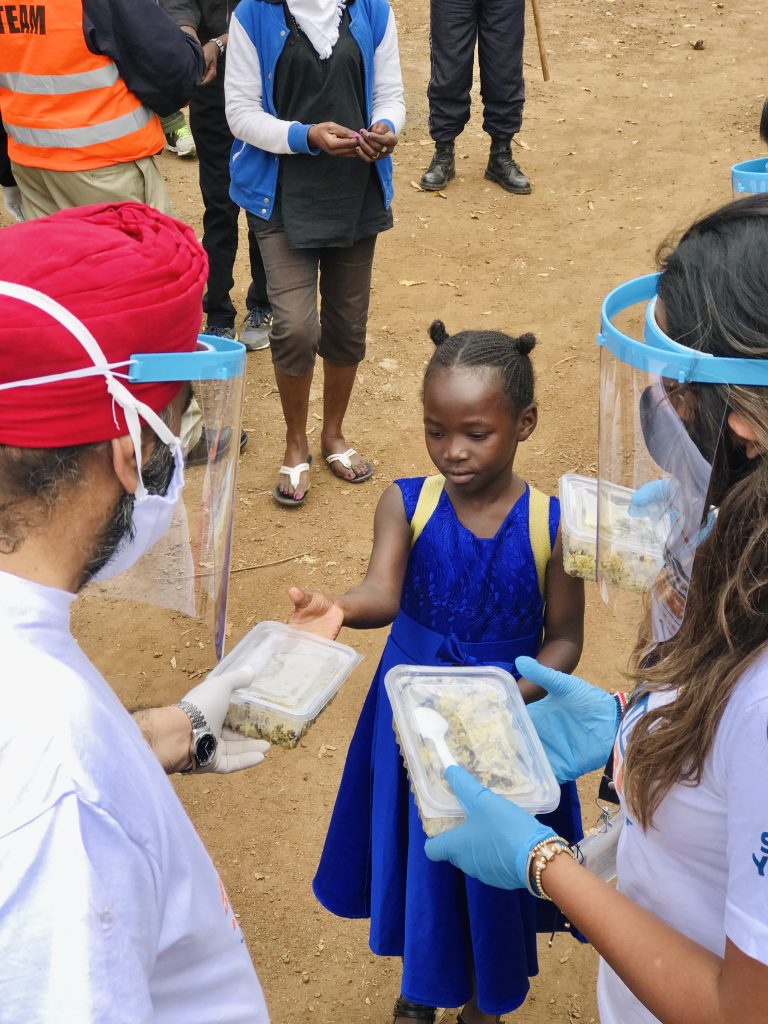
<point x="631" y="139"/>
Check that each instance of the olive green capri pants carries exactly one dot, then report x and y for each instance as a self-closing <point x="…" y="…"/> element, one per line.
<point x="299" y="333"/>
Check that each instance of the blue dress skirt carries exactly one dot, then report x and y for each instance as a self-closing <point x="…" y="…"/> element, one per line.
<point x="456" y="936"/>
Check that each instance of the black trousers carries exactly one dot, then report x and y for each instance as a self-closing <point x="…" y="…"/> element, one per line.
<point x="213" y="140"/>
<point x="498" y="26"/>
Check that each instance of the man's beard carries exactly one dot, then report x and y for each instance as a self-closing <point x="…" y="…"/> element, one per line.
<point x="157" y="475"/>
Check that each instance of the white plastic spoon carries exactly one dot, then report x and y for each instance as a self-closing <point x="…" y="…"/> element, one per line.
<point x="433" y="726"/>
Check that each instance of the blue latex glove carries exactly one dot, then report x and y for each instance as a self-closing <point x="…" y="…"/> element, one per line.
<point x="494" y="842"/>
<point x="576" y="722"/>
<point x="653" y="500"/>
<point x="659" y="499"/>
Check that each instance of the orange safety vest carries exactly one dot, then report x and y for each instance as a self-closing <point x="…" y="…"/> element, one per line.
<point x="63" y="107"/>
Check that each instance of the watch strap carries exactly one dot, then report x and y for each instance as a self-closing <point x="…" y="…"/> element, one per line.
<point x="194" y="714"/>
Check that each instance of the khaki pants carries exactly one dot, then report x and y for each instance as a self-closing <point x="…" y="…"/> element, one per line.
<point x="44" y="191"/>
<point x="299" y="333"/>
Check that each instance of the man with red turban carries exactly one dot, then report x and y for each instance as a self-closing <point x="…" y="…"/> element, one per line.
<point x="110" y="907"/>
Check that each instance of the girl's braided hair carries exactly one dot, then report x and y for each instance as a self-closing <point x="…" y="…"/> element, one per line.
<point x="493" y="350"/>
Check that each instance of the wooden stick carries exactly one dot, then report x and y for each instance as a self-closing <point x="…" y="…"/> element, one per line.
<point x="247" y="568"/>
<point x="540" y="39"/>
<point x="263" y="565"/>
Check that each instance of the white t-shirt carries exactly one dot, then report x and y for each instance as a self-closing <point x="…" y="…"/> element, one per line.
<point x="703" y="867"/>
<point x="111" y="910"/>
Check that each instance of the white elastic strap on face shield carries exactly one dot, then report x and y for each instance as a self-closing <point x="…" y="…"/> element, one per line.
<point x="131" y="406"/>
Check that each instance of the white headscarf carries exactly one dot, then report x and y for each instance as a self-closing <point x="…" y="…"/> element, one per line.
<point x="319" y="20"/>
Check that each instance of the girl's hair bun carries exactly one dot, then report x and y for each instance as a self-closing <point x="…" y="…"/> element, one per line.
<point x="525" y="343"/>
<point x="437" y="332"/>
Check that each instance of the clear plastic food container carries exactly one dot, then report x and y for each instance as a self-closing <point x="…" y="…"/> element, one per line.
<point x="477" y="718"/>
<point x="632" y="549"/>
<point x="297" y="675"/>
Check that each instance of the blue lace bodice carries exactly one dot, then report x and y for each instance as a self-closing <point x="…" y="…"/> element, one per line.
<point x="480" y="589"/>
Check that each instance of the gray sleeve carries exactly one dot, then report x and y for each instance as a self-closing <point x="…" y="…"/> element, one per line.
<point x="183" y="12"/>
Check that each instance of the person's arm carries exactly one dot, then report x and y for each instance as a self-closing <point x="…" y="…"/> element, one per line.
<point x="185" y="13"/>
<point x="388" y="113"/>
<point x="563" y="622"/>
<point x="376" y="601"/>
<point x="679" y="981"/>
<point x="79" y="917"/>
<point x="251" y="123"/>
<point x="188" y="15"/>
<point x="7" y="179"/>
<point x="10" y="190"/>
<point x="388" y="103"/>
<point x="168" y="730"/>
<point x="157" y="61"/>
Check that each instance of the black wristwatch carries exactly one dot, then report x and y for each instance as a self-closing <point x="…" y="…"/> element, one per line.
<point x="204" y="743"/>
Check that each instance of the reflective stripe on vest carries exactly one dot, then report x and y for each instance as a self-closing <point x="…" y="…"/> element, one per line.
<point x="47" y="85"/>
<point x="77" y="138"/>
<point x="64" y="107"/>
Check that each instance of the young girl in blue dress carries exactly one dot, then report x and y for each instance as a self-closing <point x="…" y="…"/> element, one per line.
<point x="461" y="567"/>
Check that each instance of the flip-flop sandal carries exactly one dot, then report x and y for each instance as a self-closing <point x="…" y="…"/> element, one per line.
<point x="460" y="1019"/>
<point x="412" y="1011"/>
<point x="345" y="458"/>
<point x="293" y="473"/>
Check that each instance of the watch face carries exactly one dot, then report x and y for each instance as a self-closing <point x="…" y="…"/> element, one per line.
<point x="205" y="749"/>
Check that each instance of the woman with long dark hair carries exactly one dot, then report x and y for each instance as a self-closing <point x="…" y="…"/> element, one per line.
<point x="684" y="940"/>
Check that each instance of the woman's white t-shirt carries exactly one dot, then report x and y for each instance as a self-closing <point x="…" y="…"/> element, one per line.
<point x="111" y="910"/>
<point x="703" y="866"/>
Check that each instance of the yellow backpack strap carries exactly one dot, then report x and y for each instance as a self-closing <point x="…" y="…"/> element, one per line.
<point x="429" y="495"/>
<point x="538" y="531"/>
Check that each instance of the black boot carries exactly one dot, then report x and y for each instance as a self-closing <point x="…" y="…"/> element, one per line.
<point x="442" y="168"/>
<point x="504" y="171"/>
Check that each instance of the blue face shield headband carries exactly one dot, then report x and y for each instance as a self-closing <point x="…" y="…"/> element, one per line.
<point x="750" y="177"/>
<point x="658" y="353"/>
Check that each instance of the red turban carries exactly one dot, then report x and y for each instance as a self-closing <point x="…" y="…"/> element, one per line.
<point x="133" y="276"/>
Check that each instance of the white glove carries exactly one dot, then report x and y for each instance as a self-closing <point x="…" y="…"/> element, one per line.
<point x="12" y="202"/>
<point x="212" y="697"/>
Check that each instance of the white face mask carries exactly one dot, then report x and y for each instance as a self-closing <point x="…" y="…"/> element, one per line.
<point x="152" y="515"/>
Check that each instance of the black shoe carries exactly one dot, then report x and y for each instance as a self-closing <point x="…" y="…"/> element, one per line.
<point x="442" y="168"/>
<point x="217" y="331"/>
<point x="198" y="456"/>
<point x="504" y="171"/>
<point x="254" y="333"/>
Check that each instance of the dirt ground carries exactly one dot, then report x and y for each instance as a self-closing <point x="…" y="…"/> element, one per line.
<point x="633" y="137"/>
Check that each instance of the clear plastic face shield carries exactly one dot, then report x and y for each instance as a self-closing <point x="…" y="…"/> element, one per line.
<point x="176" y="554"/>
<point x="750" y="177"/>
<point x="661" y="423"/>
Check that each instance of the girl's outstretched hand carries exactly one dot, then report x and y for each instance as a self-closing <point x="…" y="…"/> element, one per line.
<point x="576" y="722"/>
<point x="494" y="842"/>
<point x="316" y="612"/>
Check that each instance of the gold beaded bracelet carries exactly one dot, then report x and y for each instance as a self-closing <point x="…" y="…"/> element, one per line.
<point x="539" y="857"/>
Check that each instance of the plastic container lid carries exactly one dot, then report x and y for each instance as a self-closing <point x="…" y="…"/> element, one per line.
<point x="487" y="730"/>
<point x="578" y="502"/>
<point x="296" y="672"/>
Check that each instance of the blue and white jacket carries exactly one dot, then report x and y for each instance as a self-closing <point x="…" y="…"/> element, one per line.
<point x="257" y="35"/>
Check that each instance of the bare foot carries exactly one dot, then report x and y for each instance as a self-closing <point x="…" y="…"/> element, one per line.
<point x="295" y="454"/>
<point x="338" y="446"/>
